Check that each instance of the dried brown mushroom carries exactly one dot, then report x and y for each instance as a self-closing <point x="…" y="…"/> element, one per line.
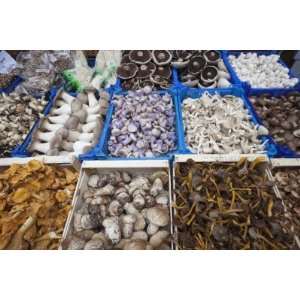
<point x="288" y="182"/>
<point x="35" y="200"/>
<point x="228" y="206"/>
<point x="281" y="115"/>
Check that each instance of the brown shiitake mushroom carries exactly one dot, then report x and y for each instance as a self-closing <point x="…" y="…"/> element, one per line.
<point x="161" y="57"/>
<point x="140" y="57"/>
<point x="144" y="71"/>
<point x="281" y="115"/>
<point x="212" y="56"/>
<point x="196" y="65"/>
<point x="163" y="71"/>
<point x="127" y="71"/>
<point x="209" y="74"/>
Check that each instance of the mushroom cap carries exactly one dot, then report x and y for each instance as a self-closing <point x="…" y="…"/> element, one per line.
<point x="145" y="83"/>
<point x="158" y="216"/>
<point x="163" y="71"/>
<point x="209" y="74"/>
<point x="161" y="57"/>
<point x="140" y="56"/>
<point x="212" y="55"/>
<point x="196" y="65"/>
<point x="183" y="54"/>
<point x="159" y="80"/>
<point x="144" y="71"/>
<point x="127" y="71"/>
<point x="135" y="245"/>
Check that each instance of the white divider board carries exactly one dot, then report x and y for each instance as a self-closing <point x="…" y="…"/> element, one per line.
<point x="217" y="157"/>
<point x="285" y="162"/>
<point x="46" y="159"/>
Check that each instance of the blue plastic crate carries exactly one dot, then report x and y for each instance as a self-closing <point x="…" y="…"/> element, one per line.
<point x="101" y="150"/>
<point x="11" y="87"/>
<point x="245" y="85"/>
<point x="283" y="151"/>
<point x="193" y="93"/>
<point x="233" y="79"/>
<point x="22" y="150"/>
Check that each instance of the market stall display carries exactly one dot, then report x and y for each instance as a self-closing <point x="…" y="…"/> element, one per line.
<point x="179" y="149"/>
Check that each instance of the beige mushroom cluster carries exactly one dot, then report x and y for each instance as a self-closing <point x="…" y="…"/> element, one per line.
<point x="122" y="211"/>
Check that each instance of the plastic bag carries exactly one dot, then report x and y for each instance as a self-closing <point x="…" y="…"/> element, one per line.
<point x="80" y="76"/>
<point x="41" y="69"/>
<point x="107" y="62"/>
<point x="8" y="69"/>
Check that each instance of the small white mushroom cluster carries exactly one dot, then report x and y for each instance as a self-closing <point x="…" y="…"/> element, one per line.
<point x="123" y="211"/>
<point x="73" y="125"/>
<point x="217" y="124"/>
<point x="18" y="112"/>
<point x="262" y="71"/>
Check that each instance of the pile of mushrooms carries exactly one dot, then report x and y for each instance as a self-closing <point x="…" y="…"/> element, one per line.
<point x="288" y="182"/>
<point x="216" y="124"/>
<point x="204" y="69"/>
<point x="17" y="116"/>
<point x="73" y="125"/>
<point x="120" y="210"/>
<point x="143" y="124"/>
<point x="35" y="200"/>
<point x="262" y="71"/>
<point x="228" y="206"/>
<point x="281" y="115"/>
<point x="140" y="68"/>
